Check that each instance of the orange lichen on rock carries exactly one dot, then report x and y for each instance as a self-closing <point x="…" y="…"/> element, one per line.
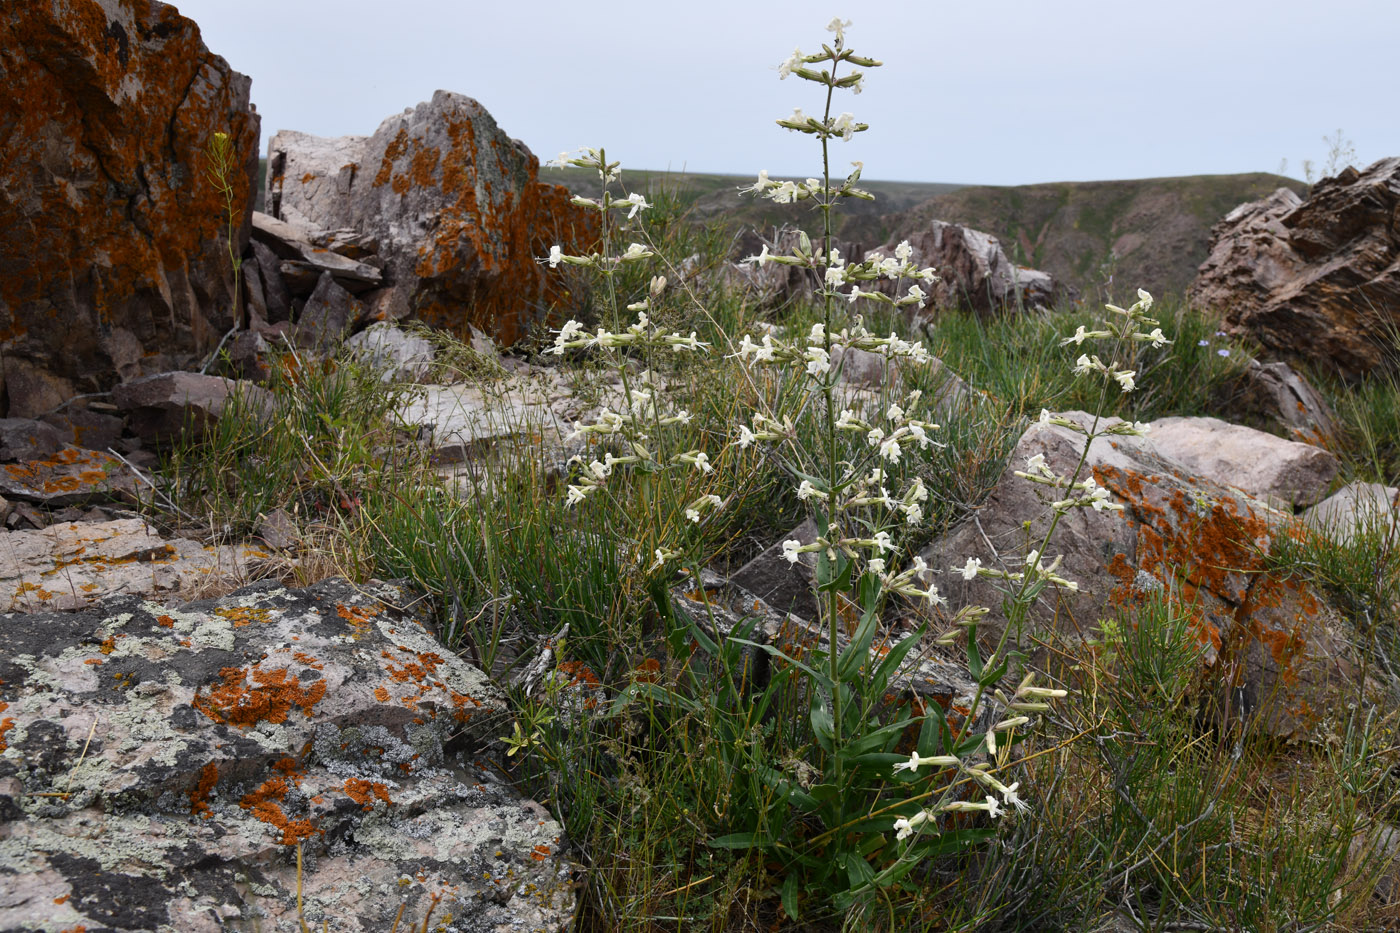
<point x="361" y="791"/>
<point x="270" y="698"/>
<point x="264" y="802"/>
<point x="242" y="616"/>
<point x="6" y="725"/>
<point x="359" y="617"/>
<point x="199" y="794"/>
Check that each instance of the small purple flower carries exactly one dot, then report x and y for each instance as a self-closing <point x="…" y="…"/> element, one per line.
<point x="1222" y="352"/>
<point x="1221" y="333"/>
<point x="1202" y="343"/>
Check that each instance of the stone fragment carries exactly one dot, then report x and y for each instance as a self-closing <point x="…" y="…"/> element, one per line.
<point x="786" y="587"/>
<point x="168" y="406"/>
<point x="113" y="244"/>
<point x="216" y="737"/>
<point x="1317" y="279"/>
<point x="249" y="355"/>
<point x="1265" y="466"/>
<point x="69" y="476"/>
<point x="400" y="356"/>
<point x="1274" y="647"/>
<point x="291" y="243"/>
<point x="1274" y="394"/>
<point x="68" y="565"/>
<point x="329" y="316"/>
<point x="279" y="531"/>
<point x="1356" y="506"/>
<point x="277" y="298"/>
<point x="453" y="204"/>
<point x="86" y="427"/>
<point x="27" y="439"/>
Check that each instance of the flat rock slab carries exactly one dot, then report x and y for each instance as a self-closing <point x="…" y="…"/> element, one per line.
<point x="71" y="476"/>
<point x="465" y="418"/>
<point x="159" y="766"/>
<point x="69" y="565"/>
<point x="1265" y="466"/>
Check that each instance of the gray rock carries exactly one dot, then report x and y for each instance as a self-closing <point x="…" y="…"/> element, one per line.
<point x="70" y="476"/>
<point x="329" y="316"/>
<point x="159" y="765"/>
<point x="786" y="587"/>
<point x="1274" y="394"/>
<point x="292" y="243"/>
<point x="87" y="427"/>
<point x="1273" y="647"/>
<point x="277" y="299"/>
<point x="162" y="408"/>
<point x="1356" y="506"/>
<point x="27" y="439"/>
<point x="401" y="357"/>
<point x="1265" y="466"/>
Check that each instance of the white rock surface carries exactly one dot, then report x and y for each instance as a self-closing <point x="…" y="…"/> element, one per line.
<point x="1265" y="466"/>
<point x="1355" y="506"/>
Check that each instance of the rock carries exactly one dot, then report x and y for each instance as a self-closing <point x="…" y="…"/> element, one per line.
<point x="786" y="587"/>
<point x="974" y="271"/>
<point x="279" y="531"/>
<point x="69" y="476"/>
<point x="168" y="406"/>
<point x="1273" y="394"/>
<point x="453" y="204"/>
<point x="277" y="298"/>
<point x="1274" y="647"/>
<point x="26" y="439"/>
<point x="1316" y="280"/>
<point x="1363" y="506"/>
<point x="292" y="244"/>
<point x="402" y="357"/>
<point x="944" y="389"/>
<point x="1265" y="466"/>
<point x="329" y="315"/>
<point x="254" y="295"/>
<point x="68" y="565"/>
<point x="248" y="354"/>
<point x="86" y="427"/>
<point x="113" y="250"/>
<point x="159" y="765"/>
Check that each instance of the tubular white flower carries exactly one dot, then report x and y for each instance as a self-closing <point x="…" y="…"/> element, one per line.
<point x="917" y="761"/>
<point x="555" y="254"/>
<point x="791" y="62"/>
<point x="792" y="550"/>
<point x="638" y="202"/>
<point x="969" y="569"/>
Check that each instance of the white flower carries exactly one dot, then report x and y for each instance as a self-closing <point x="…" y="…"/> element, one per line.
<point x="638" y="203"/>
<point x="883" y="542"/>
<point x="1044" y="420"/>
<point x="969" y="569"/>
<point x="838" y="26"/>
<point x="635" y="251"/>
<point x="806" y="490"/>
<point x="1079" y="336"/>
<point x="917" y="761"/>
<point x="818" y="361"/>
<point x="845" y="125"/>
<point x="818" y="333"/>
<point x="874" y="437"/>
<point x="1083" y="364"/>
<point x="746" y="437"/>
<point x="1145" y="298"/>
<point x="834" y="276"/>
<point x="785" y="69"/>
<point x="790" y="553"/>
<point x="903" y="251"/>
<point x="876" y="564"/>
<point x="1035" y="463"/>
<point x="1157" y="337"/>
<point x="576" y="495"/>
<point x="555" y="256"/>
<point x="918" y="295"/>
<point x="702" y="462"/>
<point x="994" y="809"/>
<point x="1125" y="379"/>
<point x="692" y="514"/>
<point x="890" y="449"/>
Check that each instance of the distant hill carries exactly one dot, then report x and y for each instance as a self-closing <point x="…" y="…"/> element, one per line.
<point x="1148" y="233"/>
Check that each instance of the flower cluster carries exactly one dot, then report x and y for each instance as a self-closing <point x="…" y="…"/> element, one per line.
<point x="1131" y="327"/>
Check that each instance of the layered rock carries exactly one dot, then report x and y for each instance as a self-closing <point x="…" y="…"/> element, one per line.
<point x="1273" y="645"/>
<point x="452" y="206"/>
<point x="1315" y="279"/>
<point x="160" y="767"/>
<point x="113" y="242"/>
<point x="974" y="271"/>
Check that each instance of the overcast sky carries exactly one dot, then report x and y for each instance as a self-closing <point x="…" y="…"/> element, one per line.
<point x="1013" y="92"/>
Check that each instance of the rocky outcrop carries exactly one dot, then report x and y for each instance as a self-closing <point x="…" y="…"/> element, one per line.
<point x="163" y="408"/>
<point x="1273" y="646"/>
<point x="160" y="767"/>
<point x="975" y="272"/>
<point x="113" y="245"/>
<point x="1315" y="279"/>
<point x="452" y="206"/>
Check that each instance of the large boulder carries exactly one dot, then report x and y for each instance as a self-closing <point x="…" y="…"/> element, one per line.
<point x="1267" y="467"/>
<point x="974" y="271"/>
<point x="451" y="204"/>
<point x="162" y="766"/>
<point x="113" y="242"/>
<point x="1273" y="645"/>
<point x="1315" y="279"/>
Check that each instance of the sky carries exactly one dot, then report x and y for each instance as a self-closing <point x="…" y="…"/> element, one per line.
<point x="1016" y="92"/>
